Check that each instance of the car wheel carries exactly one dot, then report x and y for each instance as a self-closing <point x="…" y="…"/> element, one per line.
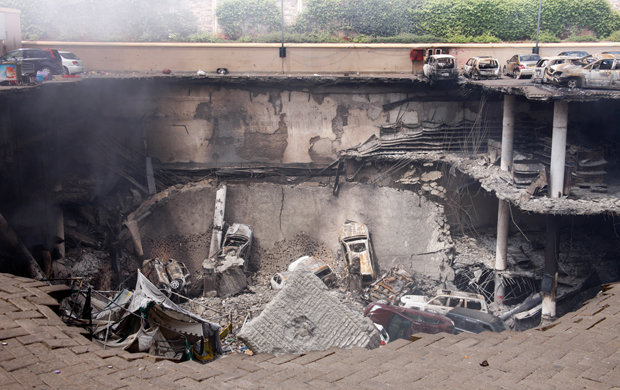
<point x="475" y="76"/>
<point x="573" y="83"/>
<point x="504" y="72"/>
<point x="516" y="74"/>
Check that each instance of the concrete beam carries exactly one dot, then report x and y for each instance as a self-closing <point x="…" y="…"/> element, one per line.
<point x="558" y="148"/>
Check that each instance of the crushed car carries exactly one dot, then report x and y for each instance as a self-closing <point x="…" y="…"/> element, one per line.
<point x="357" y="252"/>
<point x="474" y="321"/>
<point x="440" y="67"/>
<point x="444" y="301"/>
<point x="402" y="323"/>
<point x="225" y="273"/>
<point x="481" y="67"/>
<point x="169" y="276"/>
<point x="306" y="263"/>
<point x="603" y="73"/>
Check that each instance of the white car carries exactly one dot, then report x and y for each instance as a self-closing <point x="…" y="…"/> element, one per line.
<point x="71" y="63"/>
<point x="307" y="263"/>
<point x="444" y="301"/>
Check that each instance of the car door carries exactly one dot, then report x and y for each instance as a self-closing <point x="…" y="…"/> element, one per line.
<point x="615" y="75"/>
<point x="511" y="64"/>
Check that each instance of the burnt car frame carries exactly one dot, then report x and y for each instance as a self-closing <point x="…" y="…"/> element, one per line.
<point x="603" y="73"/>
<point x="354" y="238"/>
<point x="438" y="67"/>
<point x="237" y="242"/>
<point x="481" y="67"/>
<point x="520" y="65"/>
<point x="402" y="323"/>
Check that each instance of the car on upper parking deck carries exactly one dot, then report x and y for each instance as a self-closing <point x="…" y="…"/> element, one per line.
<point x="71" y="63"/>
<point x="38" y="59"/>
<point x="603" y="73"/>
<point x="574" y="53"/>
<point x="548" y="65"/>
<point x="521" y="65"/>
<point x="441" y="67"/>
<point x="481" y="67"/>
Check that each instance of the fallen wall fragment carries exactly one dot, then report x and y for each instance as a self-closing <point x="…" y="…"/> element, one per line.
<point x="305" y="317"/>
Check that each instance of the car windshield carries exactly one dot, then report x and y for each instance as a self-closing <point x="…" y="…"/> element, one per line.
<point x="397" y="327"/>
<point x="69" y="56"/>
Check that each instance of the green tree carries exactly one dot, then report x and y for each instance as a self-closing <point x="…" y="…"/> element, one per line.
<point x="247" y="17"/>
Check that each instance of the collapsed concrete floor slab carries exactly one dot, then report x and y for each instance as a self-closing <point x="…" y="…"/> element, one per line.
<point x="303" y="317"/>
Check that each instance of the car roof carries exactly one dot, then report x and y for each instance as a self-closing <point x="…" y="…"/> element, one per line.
<point x="475" y="314"/>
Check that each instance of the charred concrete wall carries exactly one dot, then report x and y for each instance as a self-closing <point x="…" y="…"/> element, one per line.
<point x="223" y="126"/>
<point x="405" y="228"/>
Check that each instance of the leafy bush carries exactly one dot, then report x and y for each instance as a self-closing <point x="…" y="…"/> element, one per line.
<point x="203" y="37"/>
<point x="247" y="17"/>
<point x="546" y="36"/>
<point x="614" y="36"/>
<point x="410" y="38"/>
<point x="582" y="38"/>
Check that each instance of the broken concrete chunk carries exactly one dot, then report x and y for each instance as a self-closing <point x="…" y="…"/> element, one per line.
<point x="431" y="176"/>
<point x="304" y="317"/>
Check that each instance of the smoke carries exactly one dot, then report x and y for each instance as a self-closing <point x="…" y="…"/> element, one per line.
<point x="110" y="20"/>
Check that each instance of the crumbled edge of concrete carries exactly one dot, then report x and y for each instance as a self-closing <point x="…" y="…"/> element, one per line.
<point x="304" y="317"/>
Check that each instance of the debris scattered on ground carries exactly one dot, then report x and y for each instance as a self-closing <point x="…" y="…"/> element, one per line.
<point x="391" y="287"/>
<point x="304" y="317"/>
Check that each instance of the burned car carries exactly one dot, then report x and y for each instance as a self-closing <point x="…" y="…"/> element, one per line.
<point x="237" y="242"/>
<point x="402" y="323"/>
<point x="603" y="73"/>
<point x="481" y="67"/>
<point x="444" y="301"/>
<point x="357" y="251"/>
<point x="548" y="65"/>
<point x="441" y="67"/>
<point x="225" y="272"/>
<point x="306" y="263"/>
<point x="521" y="65"/>
<point x="168" y="276"/>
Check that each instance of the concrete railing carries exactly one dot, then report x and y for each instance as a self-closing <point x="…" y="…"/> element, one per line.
<point x="300" y="58"/>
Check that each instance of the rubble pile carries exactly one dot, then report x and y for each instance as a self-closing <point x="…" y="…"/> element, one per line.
<point x="304" y="317"/>
<point x="268" y="262"/>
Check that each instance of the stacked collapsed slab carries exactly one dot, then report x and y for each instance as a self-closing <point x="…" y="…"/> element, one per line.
<point x="305" y="317"/>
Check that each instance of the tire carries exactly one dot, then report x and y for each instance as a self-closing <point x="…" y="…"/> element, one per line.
<point x="516" y="74"/>
<point x="475" y="75"/>
<point x="573" y="83"/>
<point x="504" y="71"/>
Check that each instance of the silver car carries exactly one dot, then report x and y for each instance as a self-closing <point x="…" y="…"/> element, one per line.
<point x="481" y="67"/>
<point x="521" y="65"/>
<point x="71" y="63"/>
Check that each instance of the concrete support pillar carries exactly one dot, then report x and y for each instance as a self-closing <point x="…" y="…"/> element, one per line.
<point x="508" y="129"/>
<point x="218" y="220"/>
<point x="550" y="274"/>
<point x="503" y="209"/>
<point x="558" y="148"/>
